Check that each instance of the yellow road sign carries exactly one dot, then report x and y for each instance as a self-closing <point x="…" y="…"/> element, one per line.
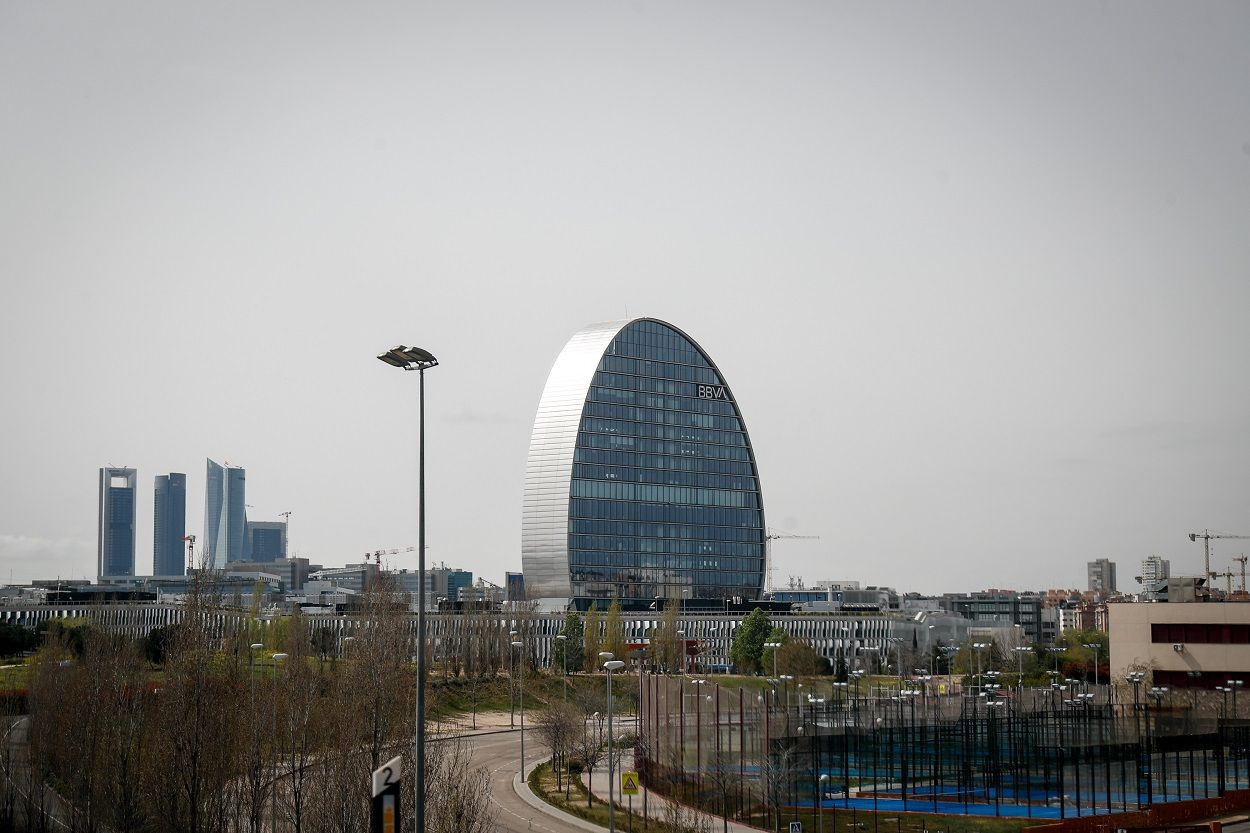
<point x="629" y="783"/>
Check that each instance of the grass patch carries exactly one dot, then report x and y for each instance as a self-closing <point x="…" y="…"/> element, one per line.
<point x="542" y="782"/>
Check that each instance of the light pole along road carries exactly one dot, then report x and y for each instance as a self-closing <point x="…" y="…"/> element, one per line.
<point x="415" y="358"/>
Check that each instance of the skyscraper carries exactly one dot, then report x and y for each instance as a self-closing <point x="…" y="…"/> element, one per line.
<point x="1101" y="575"/>
<point x="115" y="549"/>
<point x="169" y="524"/>
<point x="641" y="481"/>
<point x="225" y="515"/>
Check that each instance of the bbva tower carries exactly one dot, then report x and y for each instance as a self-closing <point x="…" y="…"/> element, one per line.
<point x="641" y="481"/>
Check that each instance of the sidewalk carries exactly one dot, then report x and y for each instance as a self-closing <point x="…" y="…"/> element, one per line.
<point x="656" y="804"/>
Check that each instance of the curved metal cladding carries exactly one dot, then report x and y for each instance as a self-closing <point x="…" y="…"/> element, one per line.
<point x="641" y="481"/>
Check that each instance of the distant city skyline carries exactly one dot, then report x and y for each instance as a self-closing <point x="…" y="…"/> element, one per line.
<point x="979" y="270"/>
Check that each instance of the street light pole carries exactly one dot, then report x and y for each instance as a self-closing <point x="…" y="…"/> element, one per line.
<point x="521" y="690"/>
<point x="564" y="655"/>
<point x="774" y="646"/>
<point x="1094" y="646"/>
<point x="610" y="666"/>
<point x="415" y="358"/>
<point x="273" y="784"/>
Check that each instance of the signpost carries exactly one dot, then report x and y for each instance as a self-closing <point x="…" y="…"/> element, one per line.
<point x="629" y="787"/>
<point x="384" y="817"/>
<point x="796" y="827"/>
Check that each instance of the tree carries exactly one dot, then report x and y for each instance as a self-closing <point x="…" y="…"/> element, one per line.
<point x="800" y="659"/>
<point x="156" y="644"/>
<point x="590" y="638"/>
<point x="573" y="633"/>
<point x="559" y="726"/>
<point x="14" y="639"/>
<point x="749" y="639"/>
<point x="589" y="745"/>
<point x="614" y="630"/>
<point x="666" y="648"/>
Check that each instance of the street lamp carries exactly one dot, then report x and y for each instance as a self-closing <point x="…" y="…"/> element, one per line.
<point x="564" y="655"/>
<point x="1094" y="646"/>
<point x="820" y="802"/>
<point x="512" y="635"/>
<point x="774" y="646"/>
<point x="415" y="358"/>
<point x="1020" y="650"/>
<point x="611" y="665"/>
<point x="521" y="689"/>
<point x="273" y="785"/>
<point x="681" y="640"/>
<point x="1234" y="685"/>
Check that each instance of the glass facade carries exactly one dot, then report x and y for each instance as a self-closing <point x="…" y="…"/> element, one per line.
<point x="115" y="551"/>
<point x="663" y="497"/>
<point x="225" y="515"/>
<point x="169" y="524"/>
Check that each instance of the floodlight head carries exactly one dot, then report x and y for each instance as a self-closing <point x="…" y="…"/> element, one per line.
<point x="606" y="655"/>
<point x="614" y="665"/>
<point x="392" y="358"/>
<point x="518" y="644"/>
<point x="256" y="646"/>
<point x="279" y="657"/>
<point x="409" y="358"/>
<point x="561" y="637"/>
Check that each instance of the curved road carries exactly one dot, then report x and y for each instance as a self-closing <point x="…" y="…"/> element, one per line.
<point x="500" y="753"/>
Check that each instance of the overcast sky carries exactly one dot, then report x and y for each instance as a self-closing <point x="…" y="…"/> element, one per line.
<point x="978" y="274"/>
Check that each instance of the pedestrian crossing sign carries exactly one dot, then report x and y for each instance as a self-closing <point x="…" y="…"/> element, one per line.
<point x="629" y="783"/>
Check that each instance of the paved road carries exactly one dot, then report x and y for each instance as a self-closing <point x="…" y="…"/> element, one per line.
<point x="17" y="775"/>
<point x="501" y="755"/>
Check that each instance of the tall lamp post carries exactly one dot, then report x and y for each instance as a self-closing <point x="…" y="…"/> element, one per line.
<point x="773" y="646"/>
<point x="611" y="665"/>
<point x="1094" y="646"/>
<point x="1234" y="685"/>
<point x="273" y="785"/>
<point x="564" y="655"/>
<point x="415" y="358"/>
<point x="521" y="690"/>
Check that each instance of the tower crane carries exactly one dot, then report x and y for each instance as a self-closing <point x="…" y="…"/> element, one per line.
<point x="1242" y="560"/>
<point x="1206" y="535"/>
<point x="377" y="554"/>
<point x="771" y="536"/>
<point x="190" y="539"/>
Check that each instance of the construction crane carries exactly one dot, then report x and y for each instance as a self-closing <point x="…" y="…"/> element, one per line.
<point x="1206" y="535"/>
<point x="190" y="539"/>
<point x="1227" y="575"/>
<point x="377" y="554"/>
<point x="771" y="536"/>
<point x="1241" y="559"/>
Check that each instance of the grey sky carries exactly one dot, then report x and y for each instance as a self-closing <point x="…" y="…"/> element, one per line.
<point x="977" y="273"/>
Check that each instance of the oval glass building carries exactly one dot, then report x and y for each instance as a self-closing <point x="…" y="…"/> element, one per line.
<point x="641" y="481"/>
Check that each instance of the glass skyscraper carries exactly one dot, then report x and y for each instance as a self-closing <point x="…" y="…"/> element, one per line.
<point x="115" y="547"/>
<point x="225" y="515"/>
<point x="169" y="524"/>
<point x="641" y="481"/>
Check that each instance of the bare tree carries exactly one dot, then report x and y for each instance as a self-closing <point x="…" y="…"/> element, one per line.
<point x="559" y="726"/>
<point x="589" y="746"/>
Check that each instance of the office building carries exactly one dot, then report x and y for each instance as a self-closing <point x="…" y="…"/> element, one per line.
<point x="225" y="515"/>
<point x="1154" y="569"/>
<point x="641" y="481"/>
<point x="266" y="540"/>
<point x="169" y="524"/>
<point x="115" y="543"/>
<point x="1101" y="575"/>
<point x="1183" y="645"/>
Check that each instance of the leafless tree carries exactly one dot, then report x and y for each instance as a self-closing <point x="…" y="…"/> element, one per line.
<point x="589" y="745"/>
<point x="559" y="726"/>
